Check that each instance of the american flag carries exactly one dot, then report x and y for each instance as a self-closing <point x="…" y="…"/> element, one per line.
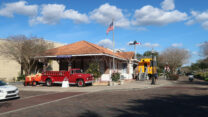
<point x="110" y="28"/>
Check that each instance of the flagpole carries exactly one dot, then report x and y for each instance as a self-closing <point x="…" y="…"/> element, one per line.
<point x="113" y="47"/>
<point x="135" y="57"/>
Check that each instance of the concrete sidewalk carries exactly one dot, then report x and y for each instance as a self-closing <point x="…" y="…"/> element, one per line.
<point x="126" y="86"/>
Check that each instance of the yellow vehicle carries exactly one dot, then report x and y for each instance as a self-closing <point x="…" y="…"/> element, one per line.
<point x="145" y="66"/>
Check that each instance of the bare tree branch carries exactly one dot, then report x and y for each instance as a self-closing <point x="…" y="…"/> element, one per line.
<point x="174" y="57"/>
<point x="204" y="49"/>
<point x="23" y="50"/>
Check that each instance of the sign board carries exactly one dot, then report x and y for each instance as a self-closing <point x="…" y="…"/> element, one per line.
<point x="64" y="56"/>
<point x="65" y="83"/>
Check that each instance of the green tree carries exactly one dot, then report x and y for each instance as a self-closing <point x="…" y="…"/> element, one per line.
<point x="149" y="53"/>
<point x="138" y="56"/>
<point x="195" y="66"/>
<point x="94" y="69"/>
<point x="203" y="64"/>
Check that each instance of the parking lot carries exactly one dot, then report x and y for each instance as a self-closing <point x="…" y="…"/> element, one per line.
<point x="173" y="100"/>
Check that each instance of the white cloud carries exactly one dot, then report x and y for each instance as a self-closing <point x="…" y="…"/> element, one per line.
<point x="195" y="53"/>
<point x="120" y="49"/>
<point x="177" y="44"/>
<point x="105" y="13"/>
<point x="205" y="25"/>
<point x="52" y="13"/>
<point x="199" y="17"/>
<point x="76" y="16"/>
<point x="148" y="15"/>
<point x="20" y="7"/>
<point x="190" y="22"/>
<point x="141" y="29"/>
<point x="201" y="44"/>
<point x="168" y="4"/>
<point x="151" y="45"/>
<point x="107" y="43"/>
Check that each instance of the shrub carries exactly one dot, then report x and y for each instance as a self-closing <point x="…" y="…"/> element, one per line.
<point x="21" y="77"/>
<point x="115" y="77"/>
<point x="198" y="76"/>
<point x="201" y="75"/>
<point x="206" y="79"/>
<point x="94" y="69"/>
<point x="173" y="77"/>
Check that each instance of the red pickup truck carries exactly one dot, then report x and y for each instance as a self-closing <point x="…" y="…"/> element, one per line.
<point x="74" y="76"/>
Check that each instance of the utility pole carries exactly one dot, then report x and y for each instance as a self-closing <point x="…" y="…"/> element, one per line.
<point x="135" y="57"/>
<point x="135" y="43"/>
<point x="153" y="71"/>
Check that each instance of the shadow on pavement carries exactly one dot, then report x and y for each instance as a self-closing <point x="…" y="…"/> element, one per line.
<point x="197" y="82"/>
<point x="89" y="113"/>
<point x="170" y="106"/>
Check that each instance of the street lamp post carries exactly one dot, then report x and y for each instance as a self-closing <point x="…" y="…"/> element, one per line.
<point x="135" y="43"/>
<point x="153" y="72"/>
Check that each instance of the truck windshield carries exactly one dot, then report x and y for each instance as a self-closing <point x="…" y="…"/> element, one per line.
<point x="77" y="71"/>
<point x="2" y="83"/>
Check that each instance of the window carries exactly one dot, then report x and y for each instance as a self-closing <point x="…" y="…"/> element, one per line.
<point x="76" y="71"/>
<point x="124" y="67"/>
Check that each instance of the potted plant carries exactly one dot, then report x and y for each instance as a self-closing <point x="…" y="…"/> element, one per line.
<point x="115" y="78"/>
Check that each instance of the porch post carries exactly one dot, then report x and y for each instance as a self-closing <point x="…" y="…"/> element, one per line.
<point x="69" y="65"/>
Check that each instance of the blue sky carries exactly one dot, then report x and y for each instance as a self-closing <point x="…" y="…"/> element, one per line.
<point x="154" y="23"/>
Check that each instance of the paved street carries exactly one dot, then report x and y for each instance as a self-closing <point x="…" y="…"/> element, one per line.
<point x="175" y="99"/>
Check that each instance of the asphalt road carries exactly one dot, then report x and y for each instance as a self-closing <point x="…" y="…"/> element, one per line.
<point x="183" y="99"/>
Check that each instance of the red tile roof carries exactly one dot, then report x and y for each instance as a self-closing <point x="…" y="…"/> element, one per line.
<point x="84" y="47"/>
<point x="126" y="55"/>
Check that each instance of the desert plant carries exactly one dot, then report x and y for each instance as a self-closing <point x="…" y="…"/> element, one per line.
<point x="115" y="76"/>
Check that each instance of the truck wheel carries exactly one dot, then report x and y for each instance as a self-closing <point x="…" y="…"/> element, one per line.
<point x="90" y="84"/>
<point x="48" y="82"/>
<point x="80" y="83"/>
<point x="25" y="83"/>
<point x="34" y="83"/>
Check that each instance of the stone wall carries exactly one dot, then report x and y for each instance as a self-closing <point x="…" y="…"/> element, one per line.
<point x="9" y="69"/>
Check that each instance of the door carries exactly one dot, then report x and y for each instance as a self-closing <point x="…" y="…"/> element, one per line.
<point x="72" y="78"/>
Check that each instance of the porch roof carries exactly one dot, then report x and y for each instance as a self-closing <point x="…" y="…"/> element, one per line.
<point x="126" y="55"/>
<point x="84" y="48"/>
